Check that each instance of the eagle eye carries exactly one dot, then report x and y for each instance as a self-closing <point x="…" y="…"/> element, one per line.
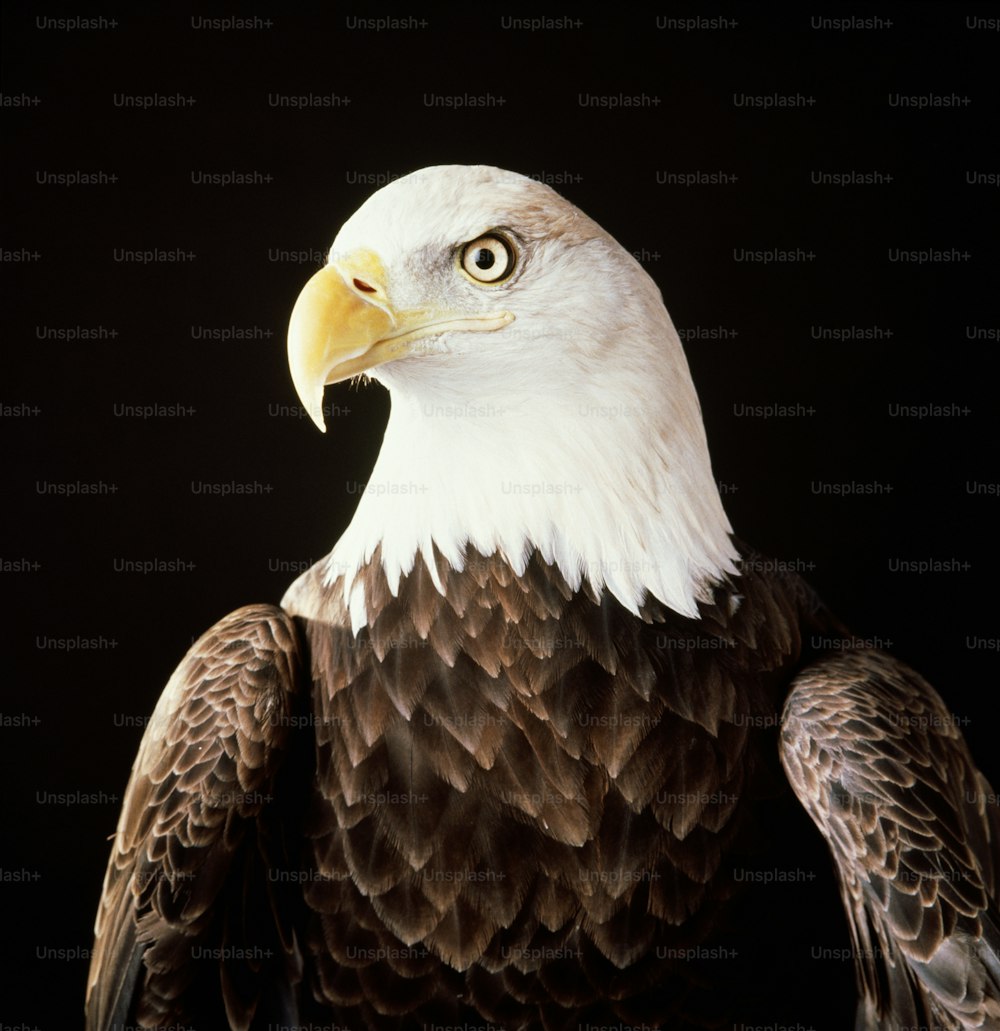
<point x="489" y="258"/>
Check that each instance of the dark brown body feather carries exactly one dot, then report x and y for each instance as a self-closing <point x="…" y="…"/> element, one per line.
<point x="521" y="807"/>
<point x="533" y="792"/>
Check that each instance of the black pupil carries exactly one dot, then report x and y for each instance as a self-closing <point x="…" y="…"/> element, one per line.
<point x="485" y="259"/>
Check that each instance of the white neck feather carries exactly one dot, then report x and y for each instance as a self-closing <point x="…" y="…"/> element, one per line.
<point x="612" y="491"/>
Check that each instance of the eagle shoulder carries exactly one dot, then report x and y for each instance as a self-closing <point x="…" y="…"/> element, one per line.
<point x="877" y="760"/>
<point x="195" y="812"/>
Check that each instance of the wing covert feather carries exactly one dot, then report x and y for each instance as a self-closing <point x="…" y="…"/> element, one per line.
<point x="194" y="820"/>
<point x="880" y="765"/>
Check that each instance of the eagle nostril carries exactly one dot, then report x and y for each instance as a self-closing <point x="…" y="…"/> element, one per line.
<point x="360" y="284"/>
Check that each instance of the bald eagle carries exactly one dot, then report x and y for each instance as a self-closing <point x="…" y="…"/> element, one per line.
<point x="499" y="759"/>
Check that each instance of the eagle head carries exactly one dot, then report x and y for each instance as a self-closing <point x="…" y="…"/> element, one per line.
<point x="541" y="400"/>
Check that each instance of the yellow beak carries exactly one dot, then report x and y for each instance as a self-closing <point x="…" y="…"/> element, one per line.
<point x="343" y="324"/>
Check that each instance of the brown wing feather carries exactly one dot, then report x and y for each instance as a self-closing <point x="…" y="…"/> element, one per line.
<point x="193" y="814"/>
<point x="877" y="760"/>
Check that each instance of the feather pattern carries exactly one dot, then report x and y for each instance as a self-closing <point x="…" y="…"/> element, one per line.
<point x="877" y="760"/>
<point x="197" y="835"/>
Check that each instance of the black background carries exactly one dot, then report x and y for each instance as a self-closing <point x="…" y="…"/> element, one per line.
<point x="72" y="720"/>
